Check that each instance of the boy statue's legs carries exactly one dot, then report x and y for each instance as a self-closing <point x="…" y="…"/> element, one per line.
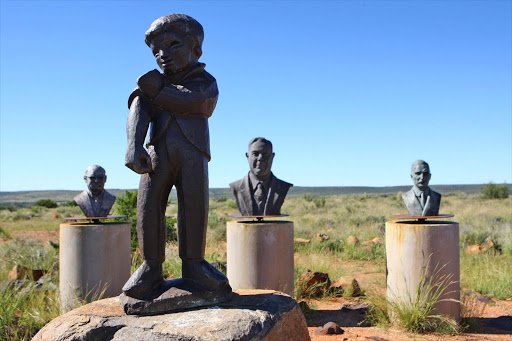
<point x="192" y="189"/>
<point x="154" y="189"/>
<point x="176" y="162"/>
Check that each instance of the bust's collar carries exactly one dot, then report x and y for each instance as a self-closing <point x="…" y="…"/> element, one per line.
<point x="418" y="191"/>
<point x="95" y="196"/>
<point x="254" y="180"/>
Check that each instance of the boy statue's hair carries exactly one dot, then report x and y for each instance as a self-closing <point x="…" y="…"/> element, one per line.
<point x="181" y="23"/>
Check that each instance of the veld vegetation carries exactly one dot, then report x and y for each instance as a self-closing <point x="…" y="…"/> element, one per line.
<point x="493" y="191"/>
<point x="24" y="310"/>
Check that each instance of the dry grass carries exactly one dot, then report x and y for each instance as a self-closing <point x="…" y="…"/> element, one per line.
<point x="339" y="217"/>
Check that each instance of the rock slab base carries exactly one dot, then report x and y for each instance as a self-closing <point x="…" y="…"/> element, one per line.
<point x="250" y="315"/>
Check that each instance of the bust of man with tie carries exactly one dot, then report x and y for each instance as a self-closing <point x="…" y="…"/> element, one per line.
<point x="95" y="201"/>
<point x="421" y="200"/>
<point x="260" y="192"/>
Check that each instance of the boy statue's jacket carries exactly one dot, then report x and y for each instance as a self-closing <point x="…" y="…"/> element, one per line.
<point x="190" y="100"/>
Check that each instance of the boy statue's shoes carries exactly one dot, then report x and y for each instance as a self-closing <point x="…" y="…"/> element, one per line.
<point x="205" y="274"/>
<point x="142" y="282"/>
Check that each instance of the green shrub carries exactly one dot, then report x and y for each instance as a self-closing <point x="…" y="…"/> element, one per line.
<point x="71" y="203"/>
<point x="126" y="204"/>
<point x="4" y="234"/>
<point x="215" y="220"/>
<point x="48" y="203"/>
<point x="10" y="208"/>
<point x="231" y="203"/>
<point x="37" y="211"/>
<point x="170" y="229"/>
<point x="319" y="202"/>
<point x="461" y="194"/>
<point x="363" y="197"/>
<point x="307" y="197"/>
<point x="494" y="191"/>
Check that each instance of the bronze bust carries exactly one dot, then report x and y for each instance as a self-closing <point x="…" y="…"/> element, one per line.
<point x="421" y="200"/>
<point x="95" y="201"/>
<point x="260" y="192"/>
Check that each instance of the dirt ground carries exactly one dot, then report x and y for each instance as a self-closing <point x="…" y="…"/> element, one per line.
<point x="346" y="314"/>
<point x="349" y="313"/>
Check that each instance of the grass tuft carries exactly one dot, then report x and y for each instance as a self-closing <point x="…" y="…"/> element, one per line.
<point x="415" y="313"/>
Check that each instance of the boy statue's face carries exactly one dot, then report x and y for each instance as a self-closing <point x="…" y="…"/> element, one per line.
<point x="174" y="52"/>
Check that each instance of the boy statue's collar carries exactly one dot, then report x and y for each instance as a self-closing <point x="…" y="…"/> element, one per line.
<point x="199" y="67"/>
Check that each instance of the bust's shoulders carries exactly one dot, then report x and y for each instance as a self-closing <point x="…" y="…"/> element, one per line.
<point x="408" y="193"/>
<point x="81" y="196"/>
<point x="434" y="193"/>
<point x="283" y="185"/>
<point x="109" y="196"/>
<point x="236" y="185"/>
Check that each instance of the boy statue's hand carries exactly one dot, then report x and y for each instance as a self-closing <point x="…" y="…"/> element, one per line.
<point x="151" y="83"/>
<point x="138" y="160"/>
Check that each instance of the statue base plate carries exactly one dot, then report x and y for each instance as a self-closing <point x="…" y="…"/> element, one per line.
<point x="173" y="295"/>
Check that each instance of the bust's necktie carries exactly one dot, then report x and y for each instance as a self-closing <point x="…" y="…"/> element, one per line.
<point x="259" y="196"/>
<point x="423" y="199"/>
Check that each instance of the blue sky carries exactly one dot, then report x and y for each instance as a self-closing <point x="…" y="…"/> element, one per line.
<point x="349" y="92"/>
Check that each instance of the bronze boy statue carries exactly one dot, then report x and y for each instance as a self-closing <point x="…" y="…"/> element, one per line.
<point x="177" y="104"/>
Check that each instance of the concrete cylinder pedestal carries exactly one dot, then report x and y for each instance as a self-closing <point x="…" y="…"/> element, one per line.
<point x="260" y="255"/>
<point x="427" y="251"/>
<point x="94" y="258"/>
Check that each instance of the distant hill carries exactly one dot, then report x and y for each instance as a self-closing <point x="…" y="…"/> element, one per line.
<point x="30" y="197"/>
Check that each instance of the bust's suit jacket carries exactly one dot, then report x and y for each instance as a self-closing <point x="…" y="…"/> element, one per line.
<point x="414" y="206"/>
<point x="275" y="196"/>
<point x="85" y="205"/>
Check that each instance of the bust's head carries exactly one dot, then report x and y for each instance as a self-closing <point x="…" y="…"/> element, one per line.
<point x="260" y="157"/>
<point x="420" y="174"/>
<point x="95" y="179"/>
<point x="176" y="42"/>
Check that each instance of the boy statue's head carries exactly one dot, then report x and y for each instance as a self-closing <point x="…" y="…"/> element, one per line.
<point x="176" y="41"/>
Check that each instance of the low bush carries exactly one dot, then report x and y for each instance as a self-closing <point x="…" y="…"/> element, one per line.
<point x="170" y="229"/>
<point x="319" y="202"/>
<point x="307" y="197"/>
<point x="231" y="204"/>
<point x="48" y="203"/>
<point x="126" y="204"/>
<point x="71" y="203"/>
<point x="494" y="191"/>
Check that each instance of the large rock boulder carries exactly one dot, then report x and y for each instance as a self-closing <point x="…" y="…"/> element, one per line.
<point x="249" y="315"/>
